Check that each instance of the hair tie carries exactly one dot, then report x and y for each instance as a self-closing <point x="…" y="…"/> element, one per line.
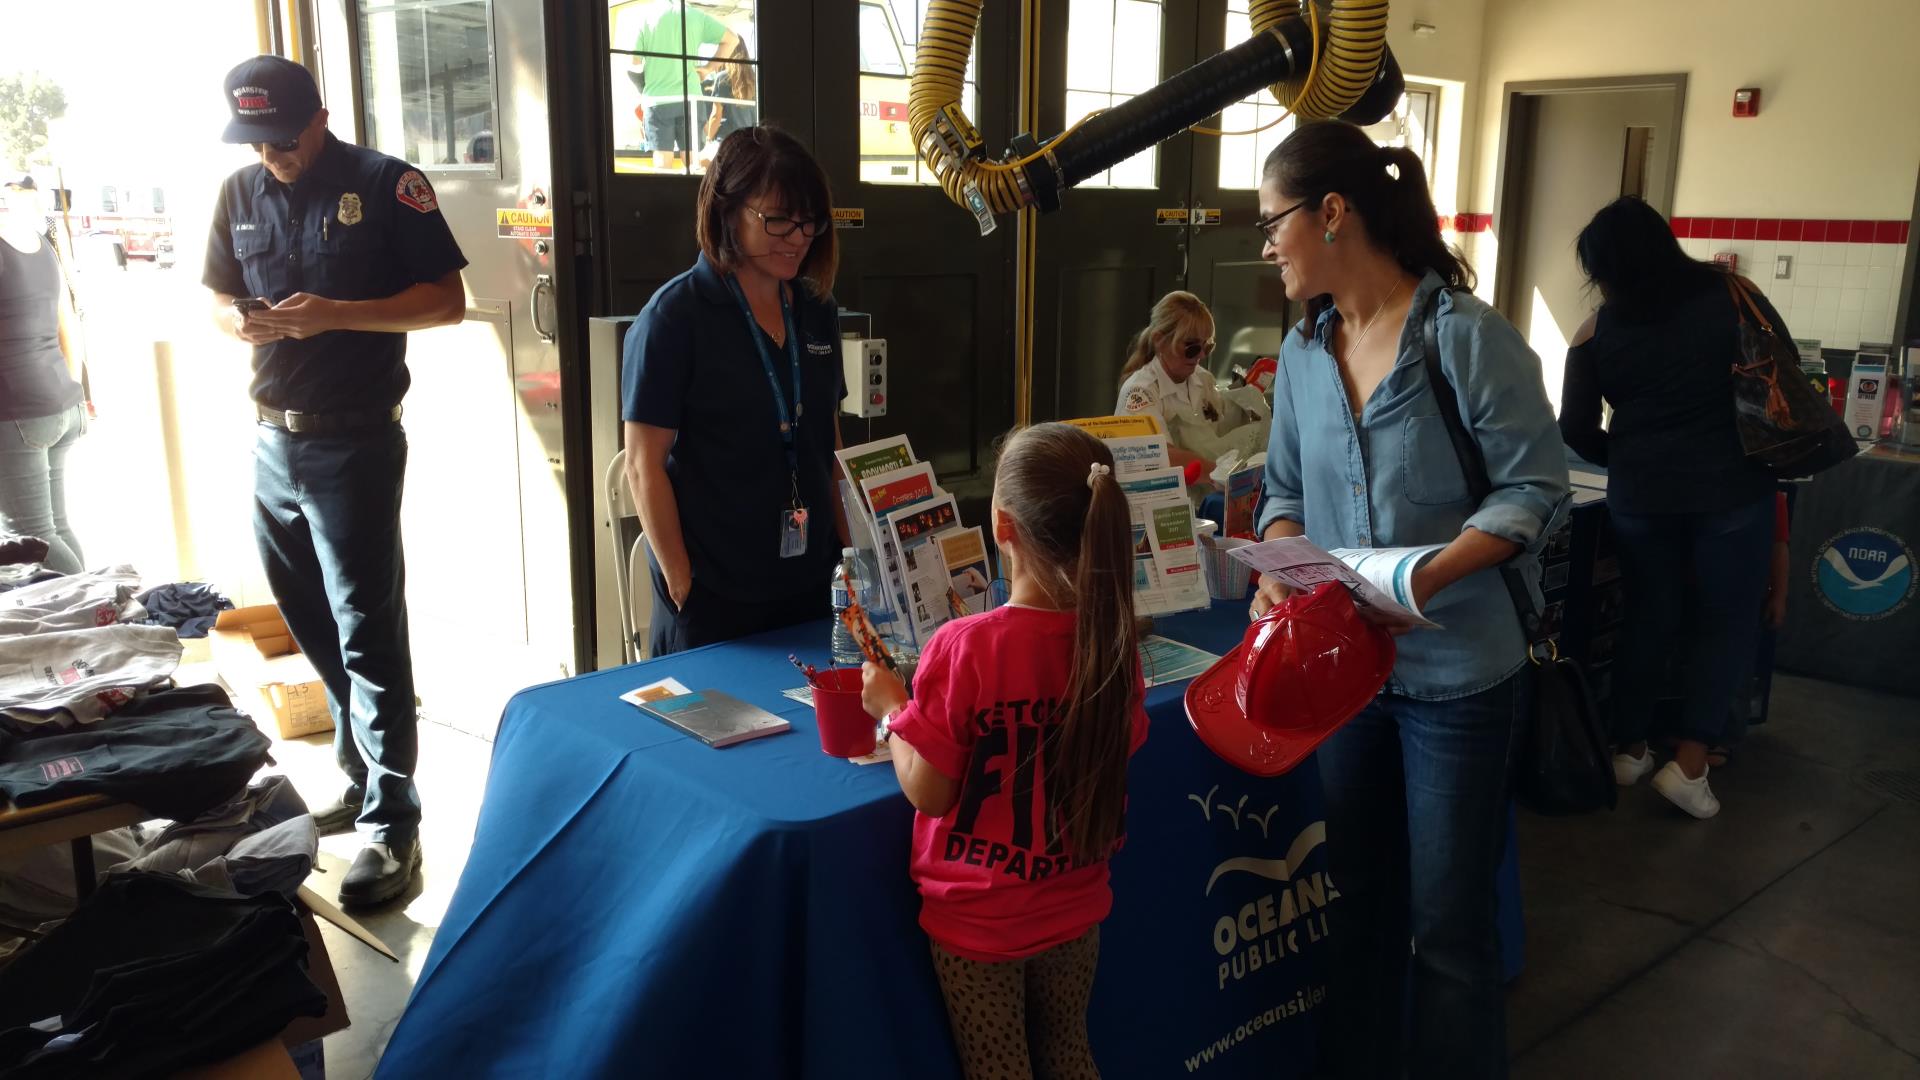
<point x="1096" y="471"/>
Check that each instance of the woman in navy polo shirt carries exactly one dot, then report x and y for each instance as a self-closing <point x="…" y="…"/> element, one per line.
<point x="730" y="390"/>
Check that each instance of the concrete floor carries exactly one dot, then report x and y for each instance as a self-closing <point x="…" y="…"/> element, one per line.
<point x="1777" y="940"/>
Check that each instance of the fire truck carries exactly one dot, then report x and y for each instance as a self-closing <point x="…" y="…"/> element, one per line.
<point x="110" y="222"/>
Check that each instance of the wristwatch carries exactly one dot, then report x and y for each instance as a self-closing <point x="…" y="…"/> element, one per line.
<point x="886" y="722"/>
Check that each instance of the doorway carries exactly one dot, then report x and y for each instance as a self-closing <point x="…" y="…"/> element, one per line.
<point x="457" y="88"/>
<point x="1570" y="147"/>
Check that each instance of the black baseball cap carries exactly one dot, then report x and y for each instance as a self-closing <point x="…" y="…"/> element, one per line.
<point x="25" y="183"/>
<point x="272" y="99"/>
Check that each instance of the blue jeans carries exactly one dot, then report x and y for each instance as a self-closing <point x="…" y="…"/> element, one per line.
<point x="1416" y="795"/>
<point x="1695" y="585"/>
<point x="326" y="517"/>
<point x="33" y="483"/>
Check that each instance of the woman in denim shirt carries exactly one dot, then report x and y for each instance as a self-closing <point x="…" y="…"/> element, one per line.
<point x="1417" y="784"/>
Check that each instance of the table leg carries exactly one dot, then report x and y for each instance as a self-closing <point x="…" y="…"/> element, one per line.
<point x="82" y="867"/>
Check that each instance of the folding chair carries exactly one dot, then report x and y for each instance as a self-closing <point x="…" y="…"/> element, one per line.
<point x="629" y="561"/>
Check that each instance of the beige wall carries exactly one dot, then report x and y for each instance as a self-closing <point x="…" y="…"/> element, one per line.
<point x="1451" y="57"/>
<point x="1834" y="137"/>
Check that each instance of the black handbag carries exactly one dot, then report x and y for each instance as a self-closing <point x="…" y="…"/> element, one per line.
<point x="1562" y="763"/>
<point x="1785" y="425"/>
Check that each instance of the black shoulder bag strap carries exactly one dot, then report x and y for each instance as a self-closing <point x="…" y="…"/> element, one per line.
<point x="1473" y="464"/>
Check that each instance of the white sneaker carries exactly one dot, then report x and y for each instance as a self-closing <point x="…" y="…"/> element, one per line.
<point x="1627" y="771"/>
<point x="1693" y="796"/>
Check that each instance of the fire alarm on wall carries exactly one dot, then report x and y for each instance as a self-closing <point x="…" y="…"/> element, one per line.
<point x="1746" y="101"/>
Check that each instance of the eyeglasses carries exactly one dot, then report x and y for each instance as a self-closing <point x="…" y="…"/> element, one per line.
<point x="1194" y="350"/>
<point x="1266" y="226"/>
<point x="784" y="226"/>
<point x="286" y="147"/>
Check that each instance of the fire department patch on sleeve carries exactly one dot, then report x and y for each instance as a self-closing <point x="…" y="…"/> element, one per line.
<point x="413" y="190"/>
<point x="1139" y="398"/>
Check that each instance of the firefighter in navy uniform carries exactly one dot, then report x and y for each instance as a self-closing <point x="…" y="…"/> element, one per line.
<point x="322" y="257"/>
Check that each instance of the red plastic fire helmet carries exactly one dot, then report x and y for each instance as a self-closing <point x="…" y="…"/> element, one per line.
<point x="1304" y="668"/>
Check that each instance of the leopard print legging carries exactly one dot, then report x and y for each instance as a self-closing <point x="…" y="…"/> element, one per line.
<point x="1022" y="1019"/>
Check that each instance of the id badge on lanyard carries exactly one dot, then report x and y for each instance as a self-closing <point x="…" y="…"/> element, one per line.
<point x="793" y="526"/>
<point x="793" y="520"/>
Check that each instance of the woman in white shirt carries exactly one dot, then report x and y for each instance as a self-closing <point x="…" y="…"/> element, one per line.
<point x="1166" y="375"/>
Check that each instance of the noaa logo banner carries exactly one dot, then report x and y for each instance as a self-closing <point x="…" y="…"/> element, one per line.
<point x="1864" y="574"/>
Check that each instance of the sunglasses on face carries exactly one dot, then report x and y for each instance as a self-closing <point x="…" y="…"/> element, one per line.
<point x="784" y="226"/>
<point x="1266" y="226"/>
<point x="1195" y="350"/>
<point x="286" y="146"/>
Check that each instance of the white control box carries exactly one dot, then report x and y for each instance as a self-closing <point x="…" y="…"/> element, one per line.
<point x="864" y="364"/>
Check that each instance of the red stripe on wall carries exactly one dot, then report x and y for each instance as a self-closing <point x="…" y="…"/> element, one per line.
<point x="1817" y="230"/>
<point x="1465" y="222"/>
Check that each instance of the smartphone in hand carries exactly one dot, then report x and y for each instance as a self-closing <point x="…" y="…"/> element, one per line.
<point x="247" y="305"/>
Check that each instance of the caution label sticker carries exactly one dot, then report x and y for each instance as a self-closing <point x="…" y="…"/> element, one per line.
<point x="1205" y="217"/>
<point x="849" y="217"/>
<point x="1176" y="216"/>
<point x="516" y="223"/>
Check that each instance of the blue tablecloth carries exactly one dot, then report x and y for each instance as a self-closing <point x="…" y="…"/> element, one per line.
<point x="639" y="904"/>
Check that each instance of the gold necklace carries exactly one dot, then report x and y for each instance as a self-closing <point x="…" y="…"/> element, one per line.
<point x="1367" y="329"/>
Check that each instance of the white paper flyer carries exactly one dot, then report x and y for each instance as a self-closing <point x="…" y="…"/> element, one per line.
<point x="1135" y="454"/>
<point x="1380" y="579"/>
<point x="968" y="574"/>
<point x="872" y="459"/>
<point x="1166" y="554"/>
<point x="923" y="573"/>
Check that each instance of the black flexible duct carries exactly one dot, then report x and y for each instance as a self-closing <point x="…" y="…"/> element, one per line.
<point x="1183" y="100"/>
<point x="1355" y="78"/>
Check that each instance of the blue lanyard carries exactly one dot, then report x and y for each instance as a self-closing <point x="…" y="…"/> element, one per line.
<point x="789" y="420"/>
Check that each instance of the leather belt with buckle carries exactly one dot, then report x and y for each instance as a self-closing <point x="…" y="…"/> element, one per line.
<point x="306" y="423"/>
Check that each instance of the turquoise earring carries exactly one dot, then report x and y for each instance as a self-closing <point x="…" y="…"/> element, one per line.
<point x="1329" y="236"/>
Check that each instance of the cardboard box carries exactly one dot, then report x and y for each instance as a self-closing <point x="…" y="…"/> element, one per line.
<point x="256" y="656"/>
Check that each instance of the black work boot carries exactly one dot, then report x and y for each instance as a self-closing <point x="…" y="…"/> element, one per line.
<point x="380" y="872"/>
<point x="338" y="816"/>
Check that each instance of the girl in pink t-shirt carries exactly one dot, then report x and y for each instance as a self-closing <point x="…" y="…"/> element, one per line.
<point x="1014" y="750"/>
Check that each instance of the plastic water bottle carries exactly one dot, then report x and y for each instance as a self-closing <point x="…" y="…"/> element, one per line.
<point x="846" y="651"/>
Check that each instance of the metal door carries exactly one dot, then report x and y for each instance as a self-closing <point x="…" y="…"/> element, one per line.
<point x="458" y="88"/>
<point x="1565" y="157"/>
<point x="1102" y="258"/>
<point x="632" y="217"/>
<point x="939" y="292"/>
<point x="1251" y="312"/>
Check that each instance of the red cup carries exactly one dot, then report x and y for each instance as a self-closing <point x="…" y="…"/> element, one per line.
<point x="845" y="728"/>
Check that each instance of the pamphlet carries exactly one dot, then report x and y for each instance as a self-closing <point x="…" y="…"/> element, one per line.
<point x="1866" y="401"/>
<point x="923" y="568"/>
<point x="1243" y="499"/>
<point x="1166" y="558"/>
<point x="654" y="691"/>
<point x="872" y="459"/>
<point x="1381" y="579"/>
<point x="1164" y="660"/>
<point x="1166" y="554"/>
<point x="968" y="575"/>
<point x="888" y="491"/>
<point x="717" y="719"/>
<point x="884" y="493"/>
<point x="1119" y="427"/>
<point x="1135" y="454"/>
